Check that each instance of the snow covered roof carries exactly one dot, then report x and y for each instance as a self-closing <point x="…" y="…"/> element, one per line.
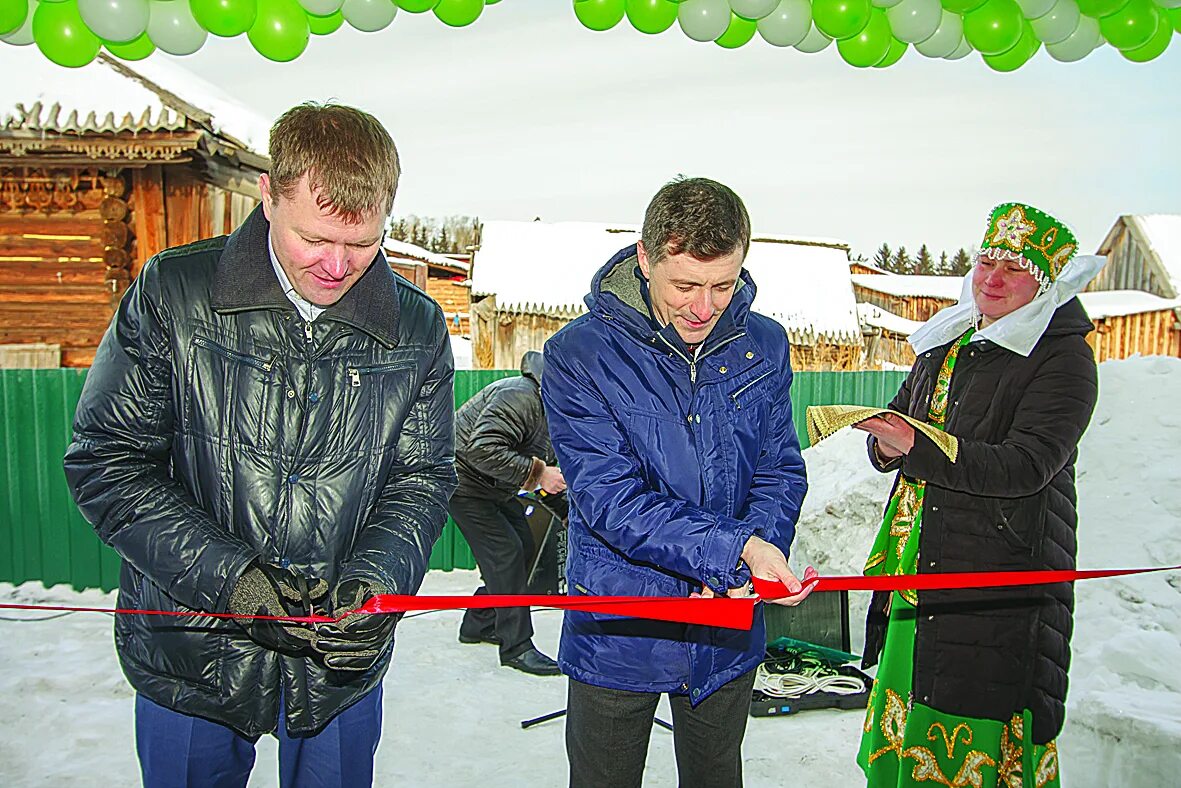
<point x="947" y="287"/>
<point x="803" y="283"/>
<point x="1162" y="233"/>
<point x="877" y="317"/>
<point x="415" y="252"/>
<point x="109" y="95"/>
<point x="1114" y="303"/>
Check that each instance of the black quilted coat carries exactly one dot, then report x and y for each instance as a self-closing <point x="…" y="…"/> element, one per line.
<point x="501" y="438"/>
<point x="1008" y="503"/>
<point x="217" y="426"/>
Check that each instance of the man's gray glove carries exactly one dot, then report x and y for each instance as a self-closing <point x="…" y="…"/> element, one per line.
<point x="357" y="640"/>
<point x="269" y="590"/>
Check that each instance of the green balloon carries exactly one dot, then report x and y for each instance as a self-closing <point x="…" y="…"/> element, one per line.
<point x="281" y="31"/>
<point x="651" y="16"/>
<point x="599" y="14"/>
<point x="1132" y="26"/>
<point x="459" y="13"/>
<point x="1155" y="47"/>
<point x="738" y="33"/>
<point x="62" y="36"/>
<point x="897" y="50"/>
<point x="12" y="15"/>
<point x="1100" y="8"/>
<point x="994" y="27"/>
<point x="323" y="25"/>
<point x="225" y="18"/>
<point x="1017" y="56"/>
<point x="135" y="49"/>
<point x="871" y="45"/>
<point x="1175" y="15"/>
<point x="961" y="6"/>
<point x="840" y="18"/>
<point x="416" y="6"/>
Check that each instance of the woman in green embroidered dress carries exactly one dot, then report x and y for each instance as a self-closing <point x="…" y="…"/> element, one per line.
<point x="971" y="684"/>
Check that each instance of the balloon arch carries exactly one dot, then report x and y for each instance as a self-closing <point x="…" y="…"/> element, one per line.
<point x="868" y="33"/>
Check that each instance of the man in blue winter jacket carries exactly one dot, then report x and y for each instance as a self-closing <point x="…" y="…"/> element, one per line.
<point x="670" y="412"/>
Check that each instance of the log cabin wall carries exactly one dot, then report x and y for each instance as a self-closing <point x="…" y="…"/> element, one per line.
<point x="1146" y="334"/>
<point x="65" y="240"/>
<point x="919" y="308"/>
<point x="72" y="238"/>
<point x="455" y="298"/>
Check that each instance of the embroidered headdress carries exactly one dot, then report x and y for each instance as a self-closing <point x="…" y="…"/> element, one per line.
<point x="1023" y="234"/>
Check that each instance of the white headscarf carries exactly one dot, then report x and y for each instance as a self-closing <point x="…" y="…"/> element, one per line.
<point x="1017" y="331"/>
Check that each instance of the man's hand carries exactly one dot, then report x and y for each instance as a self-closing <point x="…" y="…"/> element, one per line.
<point x="269" y="590"/>
<point x="359" y="639"/>
<point x="552" y="480"/>
<point x="768" y="562"/>
<point x="895" y="435"/>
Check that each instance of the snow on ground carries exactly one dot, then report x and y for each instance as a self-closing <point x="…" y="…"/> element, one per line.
<point x="452" y="714"/>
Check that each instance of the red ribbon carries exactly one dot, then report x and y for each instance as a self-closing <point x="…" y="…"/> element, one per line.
<point x="735" y="613"/>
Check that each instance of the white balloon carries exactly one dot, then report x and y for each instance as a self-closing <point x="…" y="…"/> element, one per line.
<point x="1079" y="44"/>
<point x="703" y="20"/>
<point x="946" y="39"/>
<point x="369" y="16"/>
<point x="23" y="35"/>
<point x="787" y="25"/>
<point x="885" y="3"/>
<point x="321" y="7"/>
<point x="1057" y="25"/>
<point x="753" y="9"/>
<point x="1035" y="9"/>
<point x="814" y="41"/>
<point x="171" y="27"/>
<point x="115" y="20"/>
<point x="961" y="51"/>
<point x="913" y="21"/>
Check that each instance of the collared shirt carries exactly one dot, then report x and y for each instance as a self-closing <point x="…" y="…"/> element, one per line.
<point x="306" y="308"/>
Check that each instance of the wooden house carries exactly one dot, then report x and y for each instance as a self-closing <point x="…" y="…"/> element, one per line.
<point x="911" y="297"/>
<point x="529" y="279"/>
<point x="446" y="278"/>
<point x="100" y="168"/>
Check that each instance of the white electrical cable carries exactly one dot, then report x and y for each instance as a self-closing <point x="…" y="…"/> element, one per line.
<point x="793" y="685"/>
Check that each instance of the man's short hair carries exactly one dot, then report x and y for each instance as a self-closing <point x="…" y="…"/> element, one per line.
<point x="348" y="156"/>
<point x="696" y="216"/>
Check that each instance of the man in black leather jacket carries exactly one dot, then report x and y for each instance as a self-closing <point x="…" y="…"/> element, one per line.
<point x="268" y="429"/>
<point x="501" y="447"/>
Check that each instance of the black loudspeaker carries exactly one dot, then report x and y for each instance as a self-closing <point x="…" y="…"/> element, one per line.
<point x="546" y="515"/>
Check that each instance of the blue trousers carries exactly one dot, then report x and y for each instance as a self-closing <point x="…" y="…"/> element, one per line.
<point x="179" y="751"/>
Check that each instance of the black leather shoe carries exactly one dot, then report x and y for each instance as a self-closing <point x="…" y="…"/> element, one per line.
<point x="534" y="662"/>
<point x="466" y="638"/>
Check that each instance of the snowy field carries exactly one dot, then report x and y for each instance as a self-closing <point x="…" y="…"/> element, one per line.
<point x="452" y="714"/>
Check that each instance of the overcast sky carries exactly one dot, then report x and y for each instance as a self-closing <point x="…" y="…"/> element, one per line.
<point x="526" y="113"/>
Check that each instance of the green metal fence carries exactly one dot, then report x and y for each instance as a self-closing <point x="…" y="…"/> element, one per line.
<point x="43" y="537"/>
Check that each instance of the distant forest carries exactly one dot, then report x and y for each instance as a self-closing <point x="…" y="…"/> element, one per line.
<point x="900" y="261"/>
<point x="449" y="235"/>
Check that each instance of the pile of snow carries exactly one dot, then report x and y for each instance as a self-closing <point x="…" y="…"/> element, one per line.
<point x="452" y="714"/>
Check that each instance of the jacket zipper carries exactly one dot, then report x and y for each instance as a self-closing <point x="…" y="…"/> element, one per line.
<point x="736" y="394"/>
<point x="355" y="373"/>
<point x="698" y="355"/>
<point x="257" y="363"/>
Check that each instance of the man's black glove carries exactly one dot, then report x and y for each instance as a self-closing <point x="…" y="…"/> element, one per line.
<point x="358" y="640"/>
<point x="269" y="590"/>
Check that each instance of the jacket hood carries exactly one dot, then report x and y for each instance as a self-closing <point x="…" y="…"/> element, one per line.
<point x="533" y="366"/>
<point x="619" y="293"/>
<point x="245" y="279"/>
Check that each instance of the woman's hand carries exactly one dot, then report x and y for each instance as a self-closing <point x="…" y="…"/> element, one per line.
<point x="895" y="435"/>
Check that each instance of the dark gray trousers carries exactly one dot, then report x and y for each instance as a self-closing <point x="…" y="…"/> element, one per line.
<point x="607" y="733"/>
